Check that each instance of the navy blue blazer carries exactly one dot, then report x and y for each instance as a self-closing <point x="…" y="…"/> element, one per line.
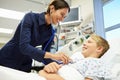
<point x="32" y="31"/>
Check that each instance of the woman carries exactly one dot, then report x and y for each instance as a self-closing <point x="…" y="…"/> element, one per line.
<point x="34" y="29"/>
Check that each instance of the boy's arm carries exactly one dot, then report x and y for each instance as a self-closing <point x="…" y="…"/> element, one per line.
<point x="50" y="76"/>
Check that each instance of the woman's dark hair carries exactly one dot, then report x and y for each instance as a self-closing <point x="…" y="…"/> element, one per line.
<point x="58" y="4"/>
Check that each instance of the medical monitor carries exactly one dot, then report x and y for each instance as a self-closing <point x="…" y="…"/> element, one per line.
<point x="73" y="18"/>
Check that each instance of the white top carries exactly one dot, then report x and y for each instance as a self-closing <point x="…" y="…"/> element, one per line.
<point x="89" y="67"/>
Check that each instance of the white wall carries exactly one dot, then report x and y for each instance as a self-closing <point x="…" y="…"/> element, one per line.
<point x="86" y="10"/>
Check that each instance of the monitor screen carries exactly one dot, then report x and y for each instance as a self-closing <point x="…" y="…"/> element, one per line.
<point x="73" y="18"/>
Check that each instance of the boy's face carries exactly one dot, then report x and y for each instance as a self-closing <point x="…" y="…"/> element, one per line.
<point x="89" y="47"/>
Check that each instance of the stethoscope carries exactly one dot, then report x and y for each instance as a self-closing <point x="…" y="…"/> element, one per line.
<point x="51" y="38"/>
<point x="53" y="33"/>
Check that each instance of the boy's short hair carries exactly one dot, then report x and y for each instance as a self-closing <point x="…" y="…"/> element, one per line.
<point x="100" y="42"/>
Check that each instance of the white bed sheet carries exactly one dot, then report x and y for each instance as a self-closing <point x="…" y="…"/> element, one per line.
<point x="11" y="74"/>
<point x="69" y="73"/>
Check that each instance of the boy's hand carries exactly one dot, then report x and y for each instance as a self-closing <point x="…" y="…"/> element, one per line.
<point x="52" y="67"/>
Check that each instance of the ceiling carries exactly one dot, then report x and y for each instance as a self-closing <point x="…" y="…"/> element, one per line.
<point x="21" y="6"/>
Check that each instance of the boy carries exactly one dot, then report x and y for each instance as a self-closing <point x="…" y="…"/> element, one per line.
<point x="88" y="65"/>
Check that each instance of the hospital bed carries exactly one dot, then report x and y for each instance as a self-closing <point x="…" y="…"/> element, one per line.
<point x="12" y="74"/>
<point x="113" y="53"/>
<point x="112" y="56"/>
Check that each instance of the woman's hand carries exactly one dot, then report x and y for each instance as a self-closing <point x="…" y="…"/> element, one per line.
<point x="58" y="56"/>
<point x="52" y="67"/>
<point x="61" y="57"/>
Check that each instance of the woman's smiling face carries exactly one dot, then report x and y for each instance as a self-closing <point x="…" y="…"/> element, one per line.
<point x="58" y="15"/>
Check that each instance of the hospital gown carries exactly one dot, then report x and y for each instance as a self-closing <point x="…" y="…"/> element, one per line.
<point x="93" y="68"/>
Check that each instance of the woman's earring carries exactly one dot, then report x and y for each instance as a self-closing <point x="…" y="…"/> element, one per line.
<point x="50" y="12"/>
